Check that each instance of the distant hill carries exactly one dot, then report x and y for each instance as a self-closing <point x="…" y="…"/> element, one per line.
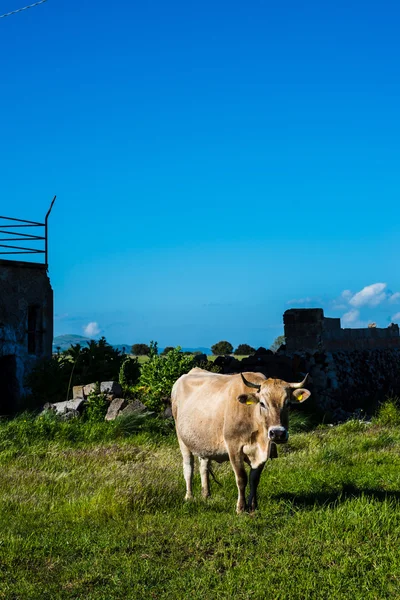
<point x="63" y="342"/>
<point x="66" y="341"/>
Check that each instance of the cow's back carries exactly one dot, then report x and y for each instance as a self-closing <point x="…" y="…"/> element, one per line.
<point x="199" y="402"/>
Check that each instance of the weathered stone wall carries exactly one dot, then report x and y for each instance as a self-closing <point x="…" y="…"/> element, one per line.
<point x="307" y="329"/>
<point x="341" y="383"/>
<point x="22" y="285"/>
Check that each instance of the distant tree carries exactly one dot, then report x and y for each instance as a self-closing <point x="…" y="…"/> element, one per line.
<point x="261" y="351"/>
<point x="244" y="349"/>
<point x="140" y="350"/>
<point x="222" y="347"/>
<point x="153" y="349"/>
<point x="277" y="343"/>
<point x="167" y="349"/>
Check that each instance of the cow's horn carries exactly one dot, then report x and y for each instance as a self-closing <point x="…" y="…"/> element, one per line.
<point x="297" y="386"/>
<point x="250" y="384"/>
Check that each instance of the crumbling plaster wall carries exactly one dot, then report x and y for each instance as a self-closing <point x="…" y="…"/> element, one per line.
<point x="24" y="284"/>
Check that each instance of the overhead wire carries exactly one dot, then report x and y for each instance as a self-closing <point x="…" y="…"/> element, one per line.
<point x="14" y="12"/>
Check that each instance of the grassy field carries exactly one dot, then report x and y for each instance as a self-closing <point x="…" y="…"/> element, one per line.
<point x="210" y="357"/>
<point x="88" y="514"/>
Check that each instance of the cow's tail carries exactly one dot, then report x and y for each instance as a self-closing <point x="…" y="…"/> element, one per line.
<point x="213" y="476"/>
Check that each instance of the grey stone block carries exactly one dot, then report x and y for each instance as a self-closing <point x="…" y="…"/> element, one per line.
<point x="110" y="387"/>
<point x="133" y="408"/>
<point x="115" y="408"/>
<point x="77" y="391"/>
<point x="70" y="405"/>
<point x="90" y="388"/>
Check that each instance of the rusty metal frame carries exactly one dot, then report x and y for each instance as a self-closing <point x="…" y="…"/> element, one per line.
<point x="13" y="234"/>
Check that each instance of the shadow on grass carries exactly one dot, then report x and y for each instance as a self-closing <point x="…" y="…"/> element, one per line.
<point x="330" y="499"/>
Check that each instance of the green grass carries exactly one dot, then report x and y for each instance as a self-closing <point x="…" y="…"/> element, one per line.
<point x="212" y="357"/>
<point x="88" y="513"/>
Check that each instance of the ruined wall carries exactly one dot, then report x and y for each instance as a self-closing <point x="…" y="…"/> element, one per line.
<point x="26" y="325"/>
<point x="342" y="383"/>
<point x="307" y="329"/>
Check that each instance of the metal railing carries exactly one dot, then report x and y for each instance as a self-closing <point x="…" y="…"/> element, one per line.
<point x="11" y="228"/>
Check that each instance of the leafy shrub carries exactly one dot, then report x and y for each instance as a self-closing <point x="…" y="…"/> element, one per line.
<point x="96" y="407"/>
<point x="222" y="347"/>
<point x="52" y="379"/>
<point x="129" y="372"/>
<point x="49" y="379"/>
<point x="388" y="413"/>
<point x="159" y="375"/>
<point x="98" y="361"/>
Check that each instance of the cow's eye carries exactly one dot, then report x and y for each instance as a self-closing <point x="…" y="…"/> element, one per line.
<point x="262" y="404"/>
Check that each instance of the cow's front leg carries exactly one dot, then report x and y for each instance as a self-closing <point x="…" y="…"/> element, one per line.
<point x="254" y="481"/>
<point x="241" y="479"/>
<point x="205" y="476"/>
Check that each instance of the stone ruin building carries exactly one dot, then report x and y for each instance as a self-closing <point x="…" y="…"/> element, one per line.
<point x="307" y="329"/>
<point x="351" y="370"/>
<point x="26" y="309"/>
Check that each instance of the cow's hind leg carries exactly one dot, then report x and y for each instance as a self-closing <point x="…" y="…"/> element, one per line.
<point x="205" y="476"/>
<point x="188" y="466"/>
<point x="237" y="463"/>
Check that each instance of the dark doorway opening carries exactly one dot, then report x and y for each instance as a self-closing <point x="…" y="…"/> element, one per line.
<point x="9" y="388"/>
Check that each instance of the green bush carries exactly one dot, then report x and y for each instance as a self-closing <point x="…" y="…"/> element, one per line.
<point x="159" y="375"/>
<point x="388" y="413"/>
<point x="129" y="372"/>
<point x="51" y="380"/>
<point x="96" y="407"/>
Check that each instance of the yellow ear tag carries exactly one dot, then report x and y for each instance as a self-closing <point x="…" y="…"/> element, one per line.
<point x="300" y="397"/>
<point x="250" y="402"/>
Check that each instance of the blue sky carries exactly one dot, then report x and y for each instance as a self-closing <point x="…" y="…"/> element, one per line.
<point x="214" y="163"/>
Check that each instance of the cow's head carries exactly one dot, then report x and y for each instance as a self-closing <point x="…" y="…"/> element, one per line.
<point x="274" y="397"/>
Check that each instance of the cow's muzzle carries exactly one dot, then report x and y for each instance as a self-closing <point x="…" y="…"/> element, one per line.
<point x="279" y="435"/>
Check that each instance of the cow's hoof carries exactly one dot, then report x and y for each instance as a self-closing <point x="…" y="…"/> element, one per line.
<point x="188" y="497"/>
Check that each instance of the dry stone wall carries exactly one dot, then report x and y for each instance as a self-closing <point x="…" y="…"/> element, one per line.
<point x="342" y="383"/>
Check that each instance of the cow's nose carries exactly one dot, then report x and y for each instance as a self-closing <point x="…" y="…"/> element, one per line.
<point x="279" y="435"/>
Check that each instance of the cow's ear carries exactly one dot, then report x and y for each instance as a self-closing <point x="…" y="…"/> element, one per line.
<point x="300" y="395"/>
<point x="248" y="399"/>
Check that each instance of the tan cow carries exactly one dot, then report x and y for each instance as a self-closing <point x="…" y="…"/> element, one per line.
<point x="217" y="417"/>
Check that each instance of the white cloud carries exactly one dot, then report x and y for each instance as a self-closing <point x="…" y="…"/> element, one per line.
<point x="396" y="318"/>
<point x="92" y="329"/>
<point x="350" y="317"/>
<point x="394" y="298"/>
<point x="371" y="295"/>
<point x="347" y="294"/>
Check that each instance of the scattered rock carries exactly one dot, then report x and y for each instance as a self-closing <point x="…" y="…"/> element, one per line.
<point x="69" y="414"/>
<point x="115" y="408"/>
<point x="88" y="389"/>
<point x="71" y="405"/>
<point x="133" y="408"/>
<point x="77" y="391"/>
<point x="167" y="414"/>
<point x="111" y="387"/>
